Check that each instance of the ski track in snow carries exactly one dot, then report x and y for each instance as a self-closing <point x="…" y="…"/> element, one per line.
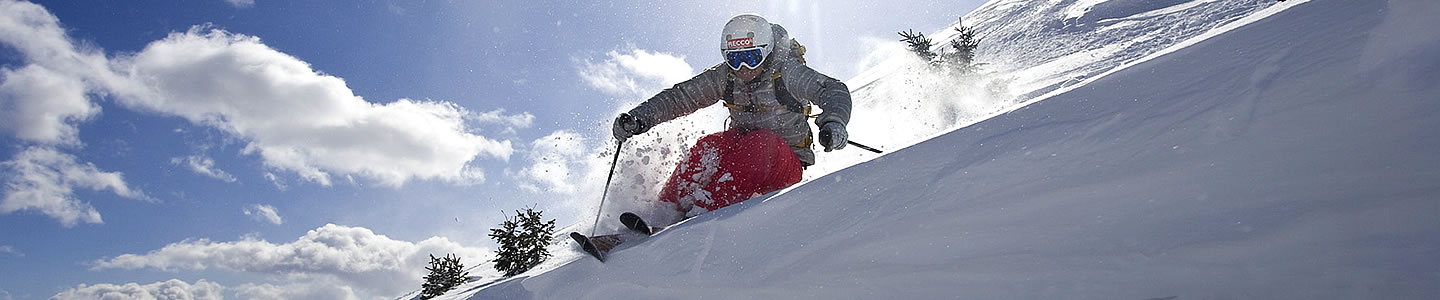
<point x="1292" y="157"/>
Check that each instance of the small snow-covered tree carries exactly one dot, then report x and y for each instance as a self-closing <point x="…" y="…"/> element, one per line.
<point x="523" y="240"/>
<point x="445" y="273"/>
<point x="959" y="57"/>
<point x="918" y="43"/>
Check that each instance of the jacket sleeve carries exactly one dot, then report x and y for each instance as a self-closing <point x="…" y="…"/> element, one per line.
<point x="830" y="94"/>
<point x="682" y="99"/>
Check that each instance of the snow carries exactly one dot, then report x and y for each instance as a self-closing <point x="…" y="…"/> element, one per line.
<point x="1287" y="155"/>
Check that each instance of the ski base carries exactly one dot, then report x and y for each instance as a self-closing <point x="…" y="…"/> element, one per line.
<point x="588" y="246"/>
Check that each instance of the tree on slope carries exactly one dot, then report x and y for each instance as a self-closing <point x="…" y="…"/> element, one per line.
<point x="959" y="57"/>
<point x="523" y="240"/>
<point x="445" y="273"/>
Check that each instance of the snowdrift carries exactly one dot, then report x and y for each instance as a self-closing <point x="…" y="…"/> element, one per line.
<point x="1293" y="157"/>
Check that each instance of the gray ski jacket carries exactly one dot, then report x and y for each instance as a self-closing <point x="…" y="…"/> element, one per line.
<point x="755" y="104"/>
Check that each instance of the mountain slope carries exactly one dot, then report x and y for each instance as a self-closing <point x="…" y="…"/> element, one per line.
<point x="1028" y="49"/>
<point x="1290" y="158"/>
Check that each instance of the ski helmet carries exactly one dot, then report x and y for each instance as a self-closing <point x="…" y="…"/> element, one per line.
<point x="747" y="32"/>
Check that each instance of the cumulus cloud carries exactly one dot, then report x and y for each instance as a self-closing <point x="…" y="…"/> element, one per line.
<point x="293" y="117"/>
<point x="170" y="289"/>
<point x="321" y="289"/>
<point x="203" y="166"/>
<point x="364" y="261"/>
<point x="300" y="120"/>
<point x="634" y="72"/>
<point x="264" y="213"/>
<point x="41" y="105"/>
<point x="43" y="179"/>
<point x="43" y="100"/>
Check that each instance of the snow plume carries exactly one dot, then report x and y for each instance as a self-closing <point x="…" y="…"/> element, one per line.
<point x="44" y="179"/>
<point x="264" y="213"/>
<point x="633" y="75"/>
<point x="556" y="163"/>
<point x="294" y="117"/>
<point x="901" y="99"/>
<point x="352" y="259"/>
<point x="173" y="289"/>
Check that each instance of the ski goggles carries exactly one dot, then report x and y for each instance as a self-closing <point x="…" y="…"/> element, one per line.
<point x="749" y="58"/>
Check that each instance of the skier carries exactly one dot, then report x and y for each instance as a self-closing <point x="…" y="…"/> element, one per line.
<point x="769" y="91"/>
<point x="767" y="143"/>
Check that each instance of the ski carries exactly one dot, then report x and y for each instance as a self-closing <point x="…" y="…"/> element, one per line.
<point x="599" y="246"/>
<point x="634" y="222"/>
<point x="588" y="246"/>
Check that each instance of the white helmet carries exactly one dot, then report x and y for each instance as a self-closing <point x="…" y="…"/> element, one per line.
<point x="747" y="31"/>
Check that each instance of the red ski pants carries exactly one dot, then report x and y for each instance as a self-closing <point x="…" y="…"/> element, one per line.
<point x="731" y="166"/>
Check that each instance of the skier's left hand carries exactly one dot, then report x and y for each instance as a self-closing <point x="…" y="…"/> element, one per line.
<point x="833" y="136"/>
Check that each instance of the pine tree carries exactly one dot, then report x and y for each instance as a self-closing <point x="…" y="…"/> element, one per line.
<point x="445" y="274"/>
<point x="523" y="240"/>
<point x="961" y="56"/>
<point x="918" y="43"/>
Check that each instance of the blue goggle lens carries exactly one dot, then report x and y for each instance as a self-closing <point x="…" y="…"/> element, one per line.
<point x="749" y="58"/>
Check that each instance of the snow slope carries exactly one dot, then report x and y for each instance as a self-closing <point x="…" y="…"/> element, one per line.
<point x="1028" y="49"/>
<point x="1290" y="158"/>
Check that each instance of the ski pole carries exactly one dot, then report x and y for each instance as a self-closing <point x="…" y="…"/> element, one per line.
<point x="853" y="143"/>
<point x="825" y="139"/>
<point x="606" y="192"/>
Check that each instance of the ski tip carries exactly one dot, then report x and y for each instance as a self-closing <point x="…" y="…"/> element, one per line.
<point x="634" y="222"/>
<point x="587" y="246"/>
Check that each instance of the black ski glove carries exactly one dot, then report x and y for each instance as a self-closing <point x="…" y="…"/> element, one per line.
<point x="627" y="126"/>
<point x="833" y="136"/>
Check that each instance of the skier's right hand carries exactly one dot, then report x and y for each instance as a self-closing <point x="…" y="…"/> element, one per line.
<point x="627" y="126"/>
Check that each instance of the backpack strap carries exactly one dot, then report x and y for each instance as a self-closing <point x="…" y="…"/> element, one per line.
<point x="782" y="95"/>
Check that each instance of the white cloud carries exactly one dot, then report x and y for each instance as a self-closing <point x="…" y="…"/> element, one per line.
<point x="300" y="120"/>
<point x="42" y="100"/>
<point x="355" y="256"/>
<point x="498" y="116"/>
<point x="295" y="118"/>
<point x="43" y="179"/>
<point x="241" y="3"/>
<point x="279" y="184"/>
<point x="557" y="163"/>
<point x="635" y="72"/>
<point x="6" y="249"/>
<point x="203" y="166"/>
<point x="40" y="105"/>
<point x="264" y="213"/>
<point x="321" y="289"/>
<point x="170" y="289"/>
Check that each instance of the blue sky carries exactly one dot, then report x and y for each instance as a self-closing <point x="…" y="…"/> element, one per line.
<point x="213" y="141"/>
